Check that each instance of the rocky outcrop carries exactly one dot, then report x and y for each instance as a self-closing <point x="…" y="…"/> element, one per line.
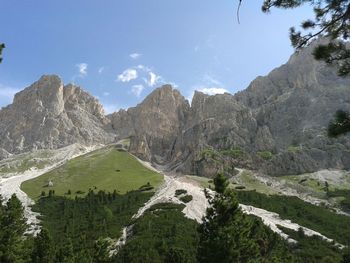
<point x="154" y="124"/>
<point x="218" y="122"/>
<point x="50" y="115"/>
<point x="293" y="105"/>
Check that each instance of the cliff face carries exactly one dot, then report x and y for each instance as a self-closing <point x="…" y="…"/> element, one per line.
<point x="154" y="124"/>
<point x="278" y="124"/>
<point x="50" y="115"/>
<point x="294" y="105"/>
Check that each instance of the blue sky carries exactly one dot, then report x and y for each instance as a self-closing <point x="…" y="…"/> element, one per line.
<point x="120" y="50"/>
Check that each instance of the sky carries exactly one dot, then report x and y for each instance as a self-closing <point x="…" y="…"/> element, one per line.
<point x="120" y="50"/>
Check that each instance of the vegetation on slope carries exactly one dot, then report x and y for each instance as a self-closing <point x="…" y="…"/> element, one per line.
<point x="313" y="249"/>
<point x="162" y="234"/>
<point x="83" y="221"/>
<point x="106" y="169"/>
<point x="318" y="218"/>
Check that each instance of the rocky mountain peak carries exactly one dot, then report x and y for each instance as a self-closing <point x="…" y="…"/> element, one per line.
<point x="48" y="114"/>
<point x="46" y="93"/>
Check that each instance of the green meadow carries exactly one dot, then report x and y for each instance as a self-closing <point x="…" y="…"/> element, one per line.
<point x="105" y="169"/>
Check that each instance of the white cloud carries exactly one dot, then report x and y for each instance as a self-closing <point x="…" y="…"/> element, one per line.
<point x="153" y="79"/>
<point x="127" y="75"/>
<point x="106" y="93"/>
<point x="143" y="68"/>
<point x="101" y="69"/>
<point x="137" y="89"/>
<point x="82" y="67"/>
<point x="213" y="91"/>
<point x="135" y="55"/>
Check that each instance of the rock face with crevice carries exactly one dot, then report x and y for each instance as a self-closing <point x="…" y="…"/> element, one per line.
<point x="154" y="124"/>
<point x="50" y="115"/>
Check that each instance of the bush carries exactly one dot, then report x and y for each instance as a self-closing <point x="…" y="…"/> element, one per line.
<point x="234" y="153"/>
<point x="146" y="187"/>
<point x="180" y="192"/>
<point x="294" y="149"/>
<point x="266" y="155"/>
<point x="186" y="198"/>
<point x="210" y="153"/>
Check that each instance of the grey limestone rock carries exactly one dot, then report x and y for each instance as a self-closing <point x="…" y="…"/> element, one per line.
<point x="50" y="115"/>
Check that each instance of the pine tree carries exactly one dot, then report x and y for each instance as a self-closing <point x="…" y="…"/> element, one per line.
<point x="12" y="226"/>
<point x="225" y="233"/>
<point x="100" y="253"/>
<point x="43" y="248"/>
<point x="66" y="253"/>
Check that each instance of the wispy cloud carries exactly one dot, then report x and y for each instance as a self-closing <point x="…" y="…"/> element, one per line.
<point x="153" y="79"/>
<point x="137" y="90"/>
<point x="106" y="93"/>
<point x="213" y="90"/>
<point x="210" y="80"/>
<point x="135" y="55"/>
<point x="7" y="94"/>
<point x="143" y="68"/>
<point x="82" y="68"/>
<point x="128" y="75"/>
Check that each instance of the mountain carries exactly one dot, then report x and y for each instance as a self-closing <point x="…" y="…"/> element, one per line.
<point x="154" y="124"/>
<point x="277" y="125"/>
<point x="50" y="115"/>
<point x="293" y="106"/>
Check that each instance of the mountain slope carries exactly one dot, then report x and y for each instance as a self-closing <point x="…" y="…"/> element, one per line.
<point x="154" y="124"/>
<point x="50" y="115"/>
<point x="278" y="123"/>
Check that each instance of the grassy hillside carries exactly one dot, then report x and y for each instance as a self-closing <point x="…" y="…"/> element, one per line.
<point x="106" y="169"/>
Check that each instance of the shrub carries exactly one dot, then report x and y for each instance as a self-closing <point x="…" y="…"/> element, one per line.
<point x="266" y="155"/>
<point x="180" y="192"/>
<point x="294" y="149"/>
<point x="146" y="187"/>
<point x="210" y="153"/>
<point x="186" y="198"/>
<point x="234" y="153"/>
